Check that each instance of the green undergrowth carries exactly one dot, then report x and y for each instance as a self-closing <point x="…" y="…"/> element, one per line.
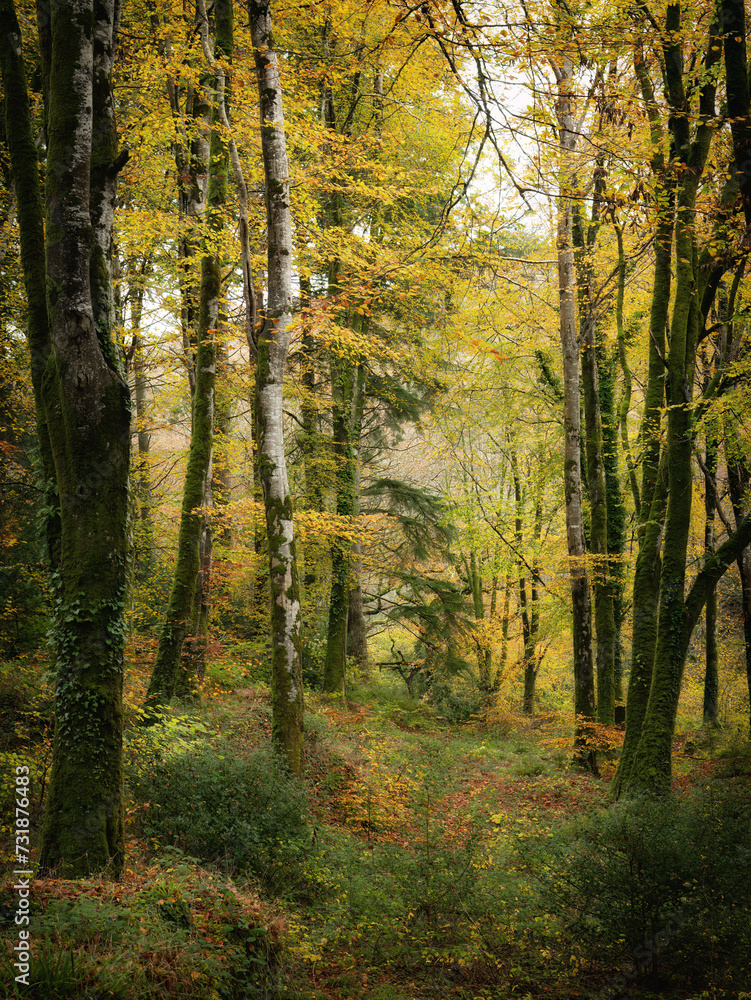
<point x="418" y="859"/>
<point x="227" y="803"/>
<point x="170" y="928"/>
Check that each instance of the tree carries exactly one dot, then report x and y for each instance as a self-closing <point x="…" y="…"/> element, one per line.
<point x="667" y="611"/>
<point x="193" y="549"/>
<point x="83" y="411"/>
<point x="584" y="691"/>
<point x="272" y="347"/>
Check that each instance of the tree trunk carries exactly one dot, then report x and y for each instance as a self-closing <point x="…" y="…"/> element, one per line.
<point x="595" y="463"/>
<point x="738" y="481"/>
<point x="653" y="493"/>
<point x="616" y="510"/>
<point x="344" y="394"/>
<point x="475" y="581"/>
<point x="86" y="407"/>
<point x="711" y="675"/>
<point x="584" y="693"/>
<point x="625" y="404"/>
<point x="144" y="530"/>
<point x="187" y="610"/>
<point x="272" y="348"/>
<point x="603" y="595"/>
<point x="357" y="629"/>
<point x="528" y="606"/>
<point x="221" y="490"/>
<point x="501" y="666"/>
<point x="25" y="165"/>
<point x="651" y="767"/>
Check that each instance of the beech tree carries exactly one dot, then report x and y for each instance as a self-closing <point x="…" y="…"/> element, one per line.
<point x="83" y="410"/>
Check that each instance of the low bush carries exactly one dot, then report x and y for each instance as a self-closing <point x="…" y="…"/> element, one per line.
<point x="662" y="885"/>
<point x="235" y="807"/>
<point x="174" y="931"/>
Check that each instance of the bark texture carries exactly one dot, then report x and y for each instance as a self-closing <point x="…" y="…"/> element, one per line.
<point x="272" y="348"/>
<point x="344" y="385"/>
<point x="584" y="692"/>
<point x="84" y="403"/>
<point x="650" y="764"/>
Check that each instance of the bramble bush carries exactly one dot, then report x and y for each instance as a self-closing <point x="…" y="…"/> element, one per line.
<point x="225" y="804"/>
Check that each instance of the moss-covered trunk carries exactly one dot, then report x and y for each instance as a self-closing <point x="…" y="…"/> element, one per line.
<point x="186" y="614"/>
<point x="529" y="606"/>
<point x="711" y="669"/>
<point x="474" y="571"/>
<point x="738" y="482"/>
<point x="84" y="404"/>
<point x="651" y="766"/>
<point x="616" y="510"/>
<point x="272" y="348"/>
<point x="344" y="388"/>
<point x="585" y="235"/>
<point x="144" y="529"/>
<point x="598" y="533"/>
<point x="357" y="628"/>
<point x="503" y="655"/>
<point x="30" y="207"/>
<point x="653" y="494"/>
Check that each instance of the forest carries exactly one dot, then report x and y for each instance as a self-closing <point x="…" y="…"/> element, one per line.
<point x="375" y="456"/>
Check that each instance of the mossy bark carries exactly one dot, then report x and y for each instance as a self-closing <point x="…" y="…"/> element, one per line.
<point x="85" y="406"/>
<point x="474" y="571"/>
<point x="197" y="477"/>
<point x="344" y="385"/>
<point x="598" y="533"/>
<point x="733" y="16"/>
<point x="222" y="483"/>
<point x="711" y="670"/>
<point x="738" y="482"/>
<point x="616" y="510"/>
<point x="187" y="614"/>
<point x="144" y="531"/>
<point x="651" y="767"/>
<point x="503" y="655"/>
<point x="653" y="494"/>
<point x="529" y="606"/>
<point x="357" y="629"/>
<point x="25" y="166"/>
<point x="585" y="233"/>
<point x="626" y="378"/>
<point x="272" y="348"/>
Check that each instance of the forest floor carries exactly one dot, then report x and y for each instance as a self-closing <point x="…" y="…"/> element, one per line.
<point x="434" y="861"/>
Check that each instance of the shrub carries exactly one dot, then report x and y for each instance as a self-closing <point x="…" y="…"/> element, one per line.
<point x="454" y="705"/>
<point x="662" y="884"/>
<point x="242" y="810"/>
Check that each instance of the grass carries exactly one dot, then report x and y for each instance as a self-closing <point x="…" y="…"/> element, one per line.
<point x="416" y="881"/>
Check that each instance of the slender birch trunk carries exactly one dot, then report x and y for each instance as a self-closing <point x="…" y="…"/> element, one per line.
<point x="272" y="348"/>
